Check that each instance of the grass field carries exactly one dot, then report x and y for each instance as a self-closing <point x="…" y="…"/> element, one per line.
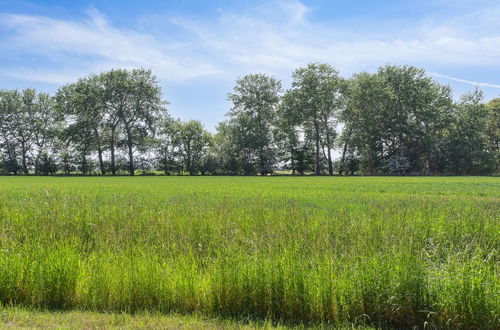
<point x="384" y="252"/>
<point x="23" y="318"/>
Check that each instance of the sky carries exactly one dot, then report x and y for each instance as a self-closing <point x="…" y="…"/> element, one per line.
<point x="198" y="49"/>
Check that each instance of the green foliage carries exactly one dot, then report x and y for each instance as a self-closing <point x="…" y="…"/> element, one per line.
<point x="227" y="152"/>
<point x="117" y="120"/>
<point x="398" y="112"/>
<point x="118" y="108"/>
<point x="9" y="162"/>
<point x="27" y="126"/>
<point x="194" y="141"/>
<point x="493" y="129"/>
<point x="383" y="252"/>
<point x="315" y="101"/>
<point x="185" y="146"/>
<point x="469" y="149"/>
<point x="252" y="119"/>
<point x="45" y="164"/>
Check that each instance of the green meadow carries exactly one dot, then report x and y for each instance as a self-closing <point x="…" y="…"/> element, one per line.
<point x="391" y="252"/>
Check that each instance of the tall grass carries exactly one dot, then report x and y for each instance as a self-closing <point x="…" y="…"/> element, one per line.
<point x="390" y="252"/>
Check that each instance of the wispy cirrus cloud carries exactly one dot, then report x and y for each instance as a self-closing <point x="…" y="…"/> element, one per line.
<point x="273" y="37"/>
<point x="284" y="39"/>
<point x="92" y="44"/>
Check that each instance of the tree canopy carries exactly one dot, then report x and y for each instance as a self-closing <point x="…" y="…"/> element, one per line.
<point x="392" y="122"/>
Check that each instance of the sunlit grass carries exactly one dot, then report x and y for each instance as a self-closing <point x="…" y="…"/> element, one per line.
<point x="312" y="250"/>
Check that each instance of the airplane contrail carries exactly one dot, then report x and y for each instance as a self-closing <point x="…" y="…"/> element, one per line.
<point x="474" y="83"/>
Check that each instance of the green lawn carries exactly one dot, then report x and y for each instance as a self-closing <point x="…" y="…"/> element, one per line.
<point x="375" y="251"/>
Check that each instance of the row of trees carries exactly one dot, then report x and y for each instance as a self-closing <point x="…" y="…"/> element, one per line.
<point x="394" y="121"/>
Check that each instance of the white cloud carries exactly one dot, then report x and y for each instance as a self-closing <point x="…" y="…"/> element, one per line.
<point x="45" y="75"/>
<point x="274" y="38"/>
<point x="295" y="10"/>
<point x="260" y="41"/>
<point x="95" y="45"/>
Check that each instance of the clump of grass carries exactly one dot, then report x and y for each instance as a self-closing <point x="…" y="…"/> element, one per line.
<point x="311" y="251"/>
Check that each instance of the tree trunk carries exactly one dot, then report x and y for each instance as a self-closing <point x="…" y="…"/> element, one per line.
<point x="342" y="161"/>
<point x="329" y="154"/>
<point x="112" y="149"/>
<point x="99" y="152"/>
<point x="330" y="164"/>
<point x="372" y="163"/>
<point x="344" y="151"/>
<point x="130" y="153"/>
<point x="430" y="165"/>
<point x="188" y="160"/>
<point x="24" y="152"/>
<point x="317" y="169"/>
<point x="261" y="160"/>
<point x="131" y="159"/>
<point x="84" y="164"/>
<point x="101" y="162"/>
<point x="12" y="160"/>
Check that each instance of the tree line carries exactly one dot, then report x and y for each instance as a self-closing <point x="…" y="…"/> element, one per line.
<point x="394" y="121"/>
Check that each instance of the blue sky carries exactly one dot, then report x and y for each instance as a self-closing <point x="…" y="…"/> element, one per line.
<point x="198" y="48"/>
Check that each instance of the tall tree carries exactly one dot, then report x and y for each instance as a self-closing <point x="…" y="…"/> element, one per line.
<point x="9" y="159"/>
<point x="397" y="115"/>
<point x="79" y="137"/>
<point x="28" y="124"/>
<point x="493" y="129"/>
<point x="45" y="123"/>
<point x="81" y="105"/>
<point x="134" y="103"/>
<point x="289" y="135"/>
<point x="194" y="141"/>
<point x="468" y="148"/>
<point x="255" y="99"/>
<point x="113" y="95"/>
<point x="226" y="147"/>
<point x="417" y="110"/>
<point x="318" y="92"/>
<point x="364" y="120"/>
<point x="19" y="116"/>
<point x="168" y="144"/>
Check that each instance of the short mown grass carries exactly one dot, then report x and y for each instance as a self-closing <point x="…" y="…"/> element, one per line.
<point x="383" y="252"/>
